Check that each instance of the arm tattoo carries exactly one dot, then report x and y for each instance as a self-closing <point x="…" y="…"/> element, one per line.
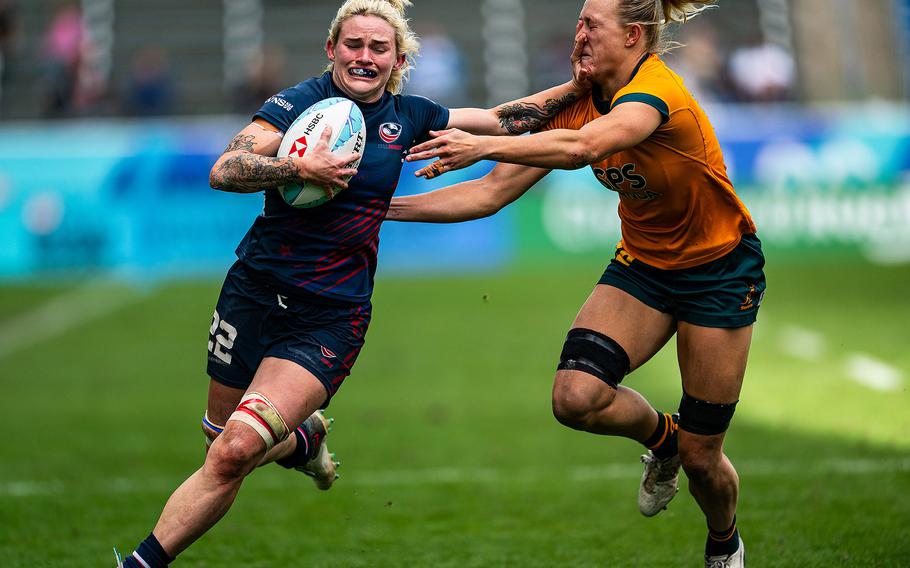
<point x="519" y="118"/>
<point x="246" y="173"/>
<point x="240" y="142"/>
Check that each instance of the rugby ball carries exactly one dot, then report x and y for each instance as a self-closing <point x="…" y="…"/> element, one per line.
<point x="348" y="135"/>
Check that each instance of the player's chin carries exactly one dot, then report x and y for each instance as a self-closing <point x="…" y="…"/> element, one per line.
<point x="364" y="89"/>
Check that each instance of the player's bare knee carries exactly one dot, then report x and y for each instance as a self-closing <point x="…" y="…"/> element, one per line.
<point x="698" y="459"/>
<point x="235" y="455"/>
<point x="570" y="412"/>
<point x="575" y="406"/>
<point x="241" y="447"/>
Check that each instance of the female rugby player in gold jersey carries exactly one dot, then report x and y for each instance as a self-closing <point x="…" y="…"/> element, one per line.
<point x="689" y="262"/>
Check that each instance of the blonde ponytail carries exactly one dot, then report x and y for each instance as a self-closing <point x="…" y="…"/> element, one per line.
<point x="680" y="11"/>
<point x="655" y="16"/>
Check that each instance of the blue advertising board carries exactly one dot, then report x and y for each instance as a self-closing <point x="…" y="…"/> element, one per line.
<point x="132" y="198"/>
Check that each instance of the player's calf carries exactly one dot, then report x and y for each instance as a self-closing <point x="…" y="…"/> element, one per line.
<point x="712" y="480"/>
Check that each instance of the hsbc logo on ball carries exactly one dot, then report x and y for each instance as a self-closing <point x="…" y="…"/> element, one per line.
<point x="298" y="148"/>
<point x="389" y="132"/>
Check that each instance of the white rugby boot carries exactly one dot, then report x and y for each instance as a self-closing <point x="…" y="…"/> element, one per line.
<point x="735" y="560"/>
<point x="659" y="483"/>
<point x="118" y="558"/>
<point x="322" y="467"/>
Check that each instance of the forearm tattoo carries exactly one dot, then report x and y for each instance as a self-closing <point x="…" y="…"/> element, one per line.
<point x="251" y="172"/>
<point x="519" y="118"/>
<point x="241" y="142"/>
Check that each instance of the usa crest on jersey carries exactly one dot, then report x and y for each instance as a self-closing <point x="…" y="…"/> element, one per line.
<point x="389" y="132"/>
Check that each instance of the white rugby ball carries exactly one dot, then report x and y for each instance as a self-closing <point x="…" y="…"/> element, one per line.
<point x="348" y="135"/>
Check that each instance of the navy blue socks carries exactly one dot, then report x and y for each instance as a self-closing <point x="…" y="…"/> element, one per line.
<point x="149" y="554"/>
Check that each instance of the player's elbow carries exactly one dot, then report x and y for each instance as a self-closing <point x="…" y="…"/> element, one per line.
<point x="223" y="174"/>
<point x="494" y="195"/>
<point x="216" y="176"/>
<point x="216" y="180"/>
<point x="488" y="204"/>
<point x="580" y="154"/>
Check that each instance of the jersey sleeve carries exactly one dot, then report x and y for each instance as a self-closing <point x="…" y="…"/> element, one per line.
<point x="282" y="110"/>
<point x="426" y="115"/>
<point x="649" y="99"/>
<point x="656" y="91"/>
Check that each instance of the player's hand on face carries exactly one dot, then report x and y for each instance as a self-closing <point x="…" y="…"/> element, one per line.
<point x="454" y="149"/>
<point x="323" y="168"/>
<point x="581" y="60"/>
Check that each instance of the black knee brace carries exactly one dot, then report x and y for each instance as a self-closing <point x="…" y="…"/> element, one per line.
<point x="703" y="417"/>
<point x="594" y="353"/>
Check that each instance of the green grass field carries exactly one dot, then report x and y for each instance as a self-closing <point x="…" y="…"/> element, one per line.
<point x="451" y="456"/>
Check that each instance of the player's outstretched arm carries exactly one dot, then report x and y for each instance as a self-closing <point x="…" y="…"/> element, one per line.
<point x="529" y="113"/>
<point x="625" y="126"/>
<point x="468" y="200"/>
<point x="249" y="163"/>
<point x="518" y="116"/>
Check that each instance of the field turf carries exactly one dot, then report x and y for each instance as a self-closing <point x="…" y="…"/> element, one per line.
<point x="451" y="457"/>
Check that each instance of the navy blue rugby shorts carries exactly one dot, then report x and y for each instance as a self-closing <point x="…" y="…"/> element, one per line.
<point x="254" y="320"/>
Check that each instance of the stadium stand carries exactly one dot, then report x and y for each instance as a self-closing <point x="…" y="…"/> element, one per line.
<point x="192" y="37"/>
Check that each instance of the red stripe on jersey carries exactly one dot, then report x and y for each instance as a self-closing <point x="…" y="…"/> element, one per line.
<point x="343" y="279"/>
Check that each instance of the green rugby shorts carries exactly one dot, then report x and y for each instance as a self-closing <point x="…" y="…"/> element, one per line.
<point x="726" y="292"/>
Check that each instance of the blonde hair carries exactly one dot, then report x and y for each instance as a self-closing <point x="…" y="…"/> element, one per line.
<point x="392" y="11"/>
<point x="656" y="16"/>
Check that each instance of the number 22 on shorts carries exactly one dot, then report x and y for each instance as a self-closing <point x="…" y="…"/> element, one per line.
<point x="222" y="339"/>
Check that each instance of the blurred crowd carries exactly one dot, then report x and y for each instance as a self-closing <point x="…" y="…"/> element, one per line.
<point x="753" y="71"/>
<point x="718" y="65"/>
<point x="714" y="68"/>
<point x="72" y="83"/>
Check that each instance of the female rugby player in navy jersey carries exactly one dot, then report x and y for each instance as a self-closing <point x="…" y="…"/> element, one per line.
<point x="294" y="308"/>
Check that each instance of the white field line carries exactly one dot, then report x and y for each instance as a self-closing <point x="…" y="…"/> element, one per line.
<point x="809" y="345"/>
<point x="802" y="343"/>
<point x="60" y="314"/>
<point x="873" y="373"/>
<point x="464" y="476"/>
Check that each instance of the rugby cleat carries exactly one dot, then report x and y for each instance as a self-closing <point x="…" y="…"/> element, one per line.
<point x="659" y="483"/>
<point x="735" y="560"/>
<point x="322" y="467"/>
<point x="118" y="558"/>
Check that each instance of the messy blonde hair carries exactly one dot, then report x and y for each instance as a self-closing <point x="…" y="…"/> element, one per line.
<point x="655" y="16"/>
<point x="393" y="12"/>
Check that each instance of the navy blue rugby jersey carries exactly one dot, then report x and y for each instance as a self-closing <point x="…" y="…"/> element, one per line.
<point x="330" y="250"/>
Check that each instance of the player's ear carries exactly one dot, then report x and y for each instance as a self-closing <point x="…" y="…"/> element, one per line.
<point x="399" y="63"/>
<point x="633" y="34"/>
<point x="330" y="50"/>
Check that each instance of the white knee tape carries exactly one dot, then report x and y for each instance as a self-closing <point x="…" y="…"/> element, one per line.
<point x="256" y="411"/>
<point x="211" y="430"/>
